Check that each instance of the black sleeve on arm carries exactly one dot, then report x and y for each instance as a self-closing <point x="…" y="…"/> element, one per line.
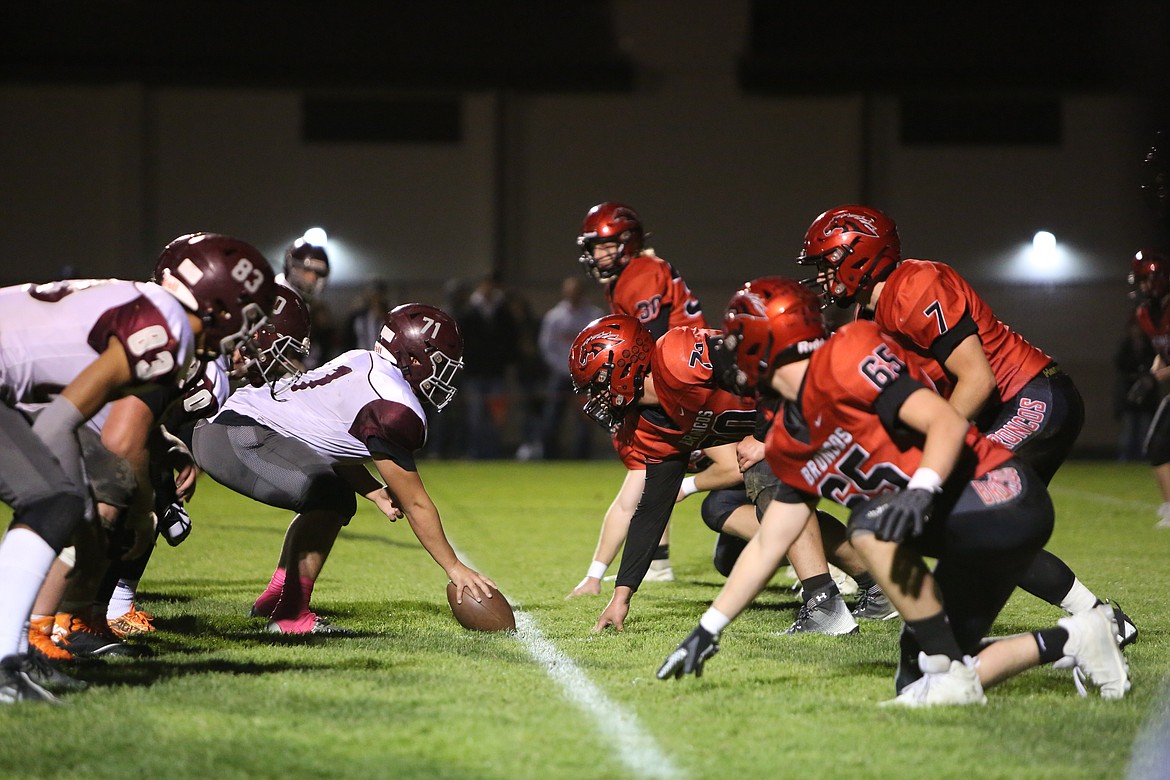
<point x="650" y="519"/>
<point x="660" y="324"/>
<point x="891" y="399"/>
<point x="944" y="345"/>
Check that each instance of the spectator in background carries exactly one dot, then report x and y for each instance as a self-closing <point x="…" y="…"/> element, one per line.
<point x="558" y="328"/>
<point x="1133" y="411"/>
<point x="531" y="377"/>
<point x="365" y="321"/>
<point x="489" y="335"/>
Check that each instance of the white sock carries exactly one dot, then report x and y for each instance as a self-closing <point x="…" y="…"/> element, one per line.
<point x="25" y="559"/>
<point x="1078" y="599"/>
<point x="122" y="600"/>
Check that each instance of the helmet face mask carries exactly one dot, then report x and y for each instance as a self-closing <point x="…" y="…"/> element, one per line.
<point x="426" y="345"/>
<point x="275" y="353"/>
<point x="608" y="363"/>
<point x="770" y="322"/>
<point x="852" y="248"/>
<point x="306" y="267"/>
<point x="223" y="281"/>
<point x="609" y="224"/>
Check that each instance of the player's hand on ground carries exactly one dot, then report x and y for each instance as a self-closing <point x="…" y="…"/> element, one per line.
<point x="590" y="586"/>
<point x="614" y="614"/>
<point x="478" y="586"/>
<point x="690" y="655"/>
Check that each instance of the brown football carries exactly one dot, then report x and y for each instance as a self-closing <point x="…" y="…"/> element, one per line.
<point x="494" y="614"/>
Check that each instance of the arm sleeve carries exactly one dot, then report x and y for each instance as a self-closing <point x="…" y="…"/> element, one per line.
<point x="890" y="400"/>
<point x="650" y="518"/>
<point x="944" y="345"/>
<point x="57" y="426"/>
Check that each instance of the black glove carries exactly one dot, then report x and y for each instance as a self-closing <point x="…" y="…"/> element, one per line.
<point x="1142" y="390"/>
<point x="174" y="524"/>
<point x="898" y="515"/>
<point x="690" y="656"/>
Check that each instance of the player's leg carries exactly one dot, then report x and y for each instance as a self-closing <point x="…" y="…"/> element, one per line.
<point x="47" y="506"/>
<point x="1157" y="447"/>
<point x="872" y="602"/>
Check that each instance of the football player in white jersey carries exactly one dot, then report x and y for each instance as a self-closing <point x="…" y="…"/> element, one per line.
<point x="306" y="451"/>
<point x="84" y="343"/>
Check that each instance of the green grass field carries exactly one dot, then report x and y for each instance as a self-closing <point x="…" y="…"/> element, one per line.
<point x="416" y="696"/>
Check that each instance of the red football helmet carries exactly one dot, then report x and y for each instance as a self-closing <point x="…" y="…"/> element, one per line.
<point x="276" y="351"/>
<point x="769" y="322"/>
<point x="226" y="282"/>
<point x="426" y="345"/>
<point x="1149" y="275"/>
<point x="609" y="361"/>
<point x="306" y="267"/>
<point x="610" y="222"/>
<point x="853" y="247"/>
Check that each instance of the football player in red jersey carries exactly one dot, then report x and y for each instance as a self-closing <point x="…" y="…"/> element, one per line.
<point x="641" y="284"/>
<point x="306" y="451"/>
<point x="87" y="342"/>
<point x="1149" y="282"/>
<point x="661" y="402"/>
<point x="863" y="428"/>
<point x="1015" y="393"/>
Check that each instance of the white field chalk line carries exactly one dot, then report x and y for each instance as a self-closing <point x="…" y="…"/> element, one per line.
<point x="635" y="747"/>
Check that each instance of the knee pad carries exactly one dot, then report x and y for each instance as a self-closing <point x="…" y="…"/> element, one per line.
<point x="727" y="550"/>
<point x="327" y="491"/>
<point x="53" y="518"/>
<point x="719" y="504"/>
<point x="761" y="486"/>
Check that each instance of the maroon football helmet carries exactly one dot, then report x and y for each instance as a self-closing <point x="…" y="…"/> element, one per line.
<point x="224" y="281"/>
<point x="306" y="266"/>
<point x="276" y="351"/>
<point x="769" y="322"/>
<point x="426" y="345"/>
<point x="853" y="248"/>
<point x="609" y="362"/>
<point x="610" y="222"/>
<point x="1149" y="275"/>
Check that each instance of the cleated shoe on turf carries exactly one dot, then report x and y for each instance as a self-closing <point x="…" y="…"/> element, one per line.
<point x="311" y="623"/>
<point x="40" y="640"/>
<point x="1163" y="516"/>
<point x="16" y="684"/>
<point x="943" y="682"/>
<point x="824" y="614"/>
<point x="46" y="674"/>
<point x="133" y="622"/>
<point x="265" y="604"/>
<point x="1092" y="643"/>
<point x="84" y="639"/>
<point x="874" y="605"/>
<point x="660" y="571"/>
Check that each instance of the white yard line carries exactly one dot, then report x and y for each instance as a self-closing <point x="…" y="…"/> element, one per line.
<point x="620" y="729"/>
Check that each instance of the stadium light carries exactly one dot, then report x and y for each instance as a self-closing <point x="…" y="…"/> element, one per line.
<point x="1044" y="254"/>
<point x="316" y="236"/>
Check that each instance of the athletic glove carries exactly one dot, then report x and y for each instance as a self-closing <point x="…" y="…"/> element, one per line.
<point x="690" y="656"/>
<point x="899" y="515"/>
<point x="174" y="523"/>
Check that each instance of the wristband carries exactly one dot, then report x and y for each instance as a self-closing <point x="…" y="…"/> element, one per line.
<point x="925" y="479"/>
<point x="714" y="621"/>
<point x="688" y="486"/>
<point x="597" y="570"/>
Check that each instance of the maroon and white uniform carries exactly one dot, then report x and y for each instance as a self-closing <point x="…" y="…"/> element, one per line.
<point x="345" y="410"/>
<point x="51" y="332"/>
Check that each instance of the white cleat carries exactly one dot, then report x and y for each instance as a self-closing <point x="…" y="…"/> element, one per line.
<point x="1092" y="643"/>
<point x="660" y="571"/>
<point x="943" y="683"/>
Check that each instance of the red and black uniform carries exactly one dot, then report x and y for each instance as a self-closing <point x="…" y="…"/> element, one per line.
<point x="1036" y="411"/>
<point x="649" y="289"/>
<point x="842" y="440"/>
<point x="692" y="413"/>
<point x="1154" y="319"/>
